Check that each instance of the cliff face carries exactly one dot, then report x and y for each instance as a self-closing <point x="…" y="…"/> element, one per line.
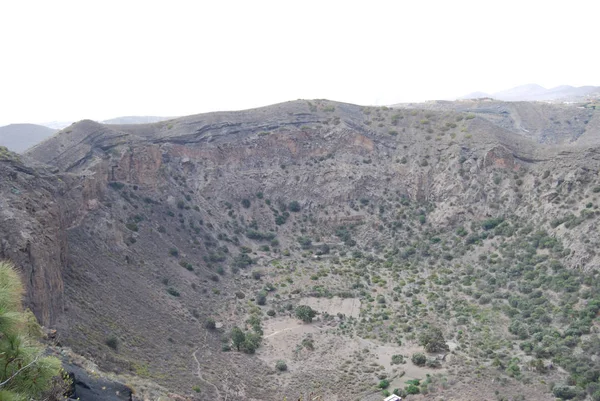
<point x="33" y="234"/>
<point x="128" y="216"/>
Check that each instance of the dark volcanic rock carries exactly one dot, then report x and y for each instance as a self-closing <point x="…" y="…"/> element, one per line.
<point x="88" y="388"/>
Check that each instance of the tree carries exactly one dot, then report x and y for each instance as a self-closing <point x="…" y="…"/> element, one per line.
<point x="252" y="342"/>
<point x="26" y="373"/>
<point x="238" y="337"/>
<point x="433" y="340"/>
<point x="305" y="313"/>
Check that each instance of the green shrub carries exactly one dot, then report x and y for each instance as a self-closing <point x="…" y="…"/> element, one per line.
<point x="112" y="342"/>
<point x="565" y="392"/>
<point x="172" y="291"/>
<point x="412" y="389"/>
<point x="246" y="203"/>
<point x="397" y="359"/>
<point x="281" y="366"/>
<point x="294" y="206"/>
<point x="491" y="223"/>
<point x="383" y="384"/>
<point x="419" y="359"/>
<point x="305" y="242"/>
<point x="210" y="324"/>
<point x="116" y="185"/>
<point x="433" y="363"/>
<point x="261" y="298"/>
<point x="242" y="260"/>
<point x="173" y="252"/>
<point x="305" y="313"/>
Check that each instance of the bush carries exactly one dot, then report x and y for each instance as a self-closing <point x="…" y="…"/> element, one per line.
<point x="565" y="392"/>
<point x="419" y="359"/>
<point x="172" y="291"/>
<point x="242" y="260"/>
<point x="174" y="252"/>
<point x="305" y="242"/>
<point x="294" y="206"/>
<point x="397" y="359"/>
<point x="246" y="203"/>
<point x="281" y="366"/>
<point x="210" y="324"/>
<point x="112" y="342"/>
<point x="383" y="384"/>
<point x="412" y="389"/>
<point x="116" y="185"/>
<point x="305" y="313"/>
<point x="261" y="298"/>
<point x="491" y="223"/>
<point x="433" y="363"/>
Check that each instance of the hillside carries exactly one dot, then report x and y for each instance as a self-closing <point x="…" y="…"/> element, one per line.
<point x="449" y="244"/>
<point x="20" y="137"/>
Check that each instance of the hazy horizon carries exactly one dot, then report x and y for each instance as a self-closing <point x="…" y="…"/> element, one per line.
<point x="72" y="60"/>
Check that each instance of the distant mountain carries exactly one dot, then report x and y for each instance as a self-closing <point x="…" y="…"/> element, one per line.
<point x="534" y="92"/>
<point x="57" y="125"/>
<point x="136" y="120"/>
<point x="475" y="95"/>
<point x="20" y="137"/>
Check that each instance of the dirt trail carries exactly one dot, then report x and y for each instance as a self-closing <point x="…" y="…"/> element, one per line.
<point x="199" y="371"/>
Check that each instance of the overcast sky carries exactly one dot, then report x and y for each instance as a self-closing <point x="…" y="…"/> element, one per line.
<point x="69" y="60"/>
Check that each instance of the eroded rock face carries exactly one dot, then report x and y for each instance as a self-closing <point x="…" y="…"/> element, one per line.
<point x="33" y="235"/>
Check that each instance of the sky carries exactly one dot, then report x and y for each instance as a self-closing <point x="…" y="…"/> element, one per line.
<point x="69" y="60"/>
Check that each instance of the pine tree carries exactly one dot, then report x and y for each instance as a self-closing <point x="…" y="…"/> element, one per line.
<point x="24" y="372"/>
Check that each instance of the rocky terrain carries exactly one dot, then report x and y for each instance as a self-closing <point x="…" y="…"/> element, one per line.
<point x="448" y="248"/>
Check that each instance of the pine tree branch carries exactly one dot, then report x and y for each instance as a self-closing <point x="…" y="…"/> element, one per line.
<point x="19" y="371"/>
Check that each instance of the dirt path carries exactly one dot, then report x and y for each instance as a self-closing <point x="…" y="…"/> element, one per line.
<point x="281" y="331"/>
<point x="199" y="371"/>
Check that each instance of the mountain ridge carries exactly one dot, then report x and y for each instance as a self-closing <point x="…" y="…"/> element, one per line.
<point x="535" y="92"/>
